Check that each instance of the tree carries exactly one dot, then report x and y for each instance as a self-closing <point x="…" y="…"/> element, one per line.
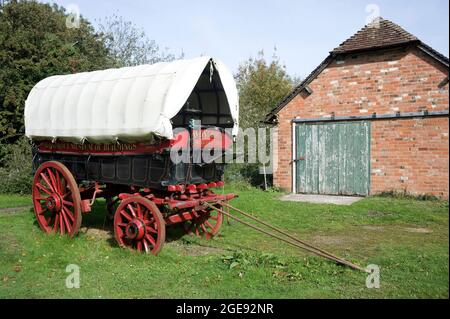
<point x="261" y="85"/>
<point x="128" y="44"/>
<point x="36" y="43"/>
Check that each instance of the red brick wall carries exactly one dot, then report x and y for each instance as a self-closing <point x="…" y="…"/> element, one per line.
<point x="411" y="155"/>
<point x="385" y="82"/>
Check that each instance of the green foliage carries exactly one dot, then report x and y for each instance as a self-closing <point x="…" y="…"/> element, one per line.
<point x="261" y="85"/>
<point x="15" y="168"/>
<point x="34" y="44"/>
<point x="245" y="174"/>
<point x="406" y="195"/>
<point x="245" y="259"/>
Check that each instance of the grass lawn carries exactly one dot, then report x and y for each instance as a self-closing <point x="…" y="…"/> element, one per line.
<point x="9" y="201"/>
<point x="408" y="239"/>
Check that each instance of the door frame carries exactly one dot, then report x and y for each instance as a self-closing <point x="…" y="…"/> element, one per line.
<point x="293" y="160"/>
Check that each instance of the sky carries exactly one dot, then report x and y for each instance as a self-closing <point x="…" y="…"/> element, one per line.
<point x="303" y="32"/>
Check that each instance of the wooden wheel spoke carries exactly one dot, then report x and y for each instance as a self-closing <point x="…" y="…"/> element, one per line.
<point x="47" y="181"/>
<point x="203" y="228"/>
<point x="132" y="210"/>
<point x="66" y="222"/>
<point x="68" y="193"/>
<point x="59" y="182"/>
<point x="197" y="232"/>
<point x="65" y="202"/>
<point x="69" y="213"/>
<point x="207" y="223"/>
<point x="146" y="247"/>
<point x="55" y="226"/>
<point x="62" y="229"/>
<point x="120" y="232"/>
<point x="139" y="245"/>
<point x="41" y="187"/>
<point x="150" y="239"/>
<point x="125" y="214"/>
<point x="139" y="211"/>
<point x="53" y="181"/>
<point x="151" y="229"/>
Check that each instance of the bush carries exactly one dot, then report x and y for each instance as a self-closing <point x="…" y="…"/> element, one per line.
<point x="246" y="174"/>
<point x="407" y="195"/>
<point x="16" y="167"/>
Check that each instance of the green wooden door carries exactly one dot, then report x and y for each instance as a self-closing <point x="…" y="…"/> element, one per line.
<point x="333" y="158"/>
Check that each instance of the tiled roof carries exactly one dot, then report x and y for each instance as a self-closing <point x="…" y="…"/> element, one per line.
<point x="379" y="33"/>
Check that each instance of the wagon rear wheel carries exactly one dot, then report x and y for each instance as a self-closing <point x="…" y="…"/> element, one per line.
<point x="206" y="226"/>
<point x="56" y="199"/>
<point x="139" y="225"/>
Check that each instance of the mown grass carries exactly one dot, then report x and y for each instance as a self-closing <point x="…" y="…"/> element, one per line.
<point x="407" y="238"/>
<point x="8" y="200"/>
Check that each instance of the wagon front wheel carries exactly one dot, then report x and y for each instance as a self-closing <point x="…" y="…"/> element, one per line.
<point x="56" y="199"/>
<point x="139" y="225"/>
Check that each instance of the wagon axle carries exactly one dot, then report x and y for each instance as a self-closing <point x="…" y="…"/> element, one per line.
<point x="135" y="230"/>
<point x="53" y="203"/>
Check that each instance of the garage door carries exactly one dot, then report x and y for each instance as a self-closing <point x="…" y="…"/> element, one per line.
<point x="332" y="158"/>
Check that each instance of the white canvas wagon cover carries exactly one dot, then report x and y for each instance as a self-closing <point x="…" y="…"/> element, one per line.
<point x="128" y="104"/>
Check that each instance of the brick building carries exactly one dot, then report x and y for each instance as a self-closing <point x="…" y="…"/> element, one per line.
<point x="372" y="117"/>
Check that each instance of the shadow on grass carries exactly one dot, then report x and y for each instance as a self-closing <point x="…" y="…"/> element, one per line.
<point x="97" y="223"/>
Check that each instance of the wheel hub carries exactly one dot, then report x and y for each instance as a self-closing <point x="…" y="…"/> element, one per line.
<point x="135" y="229"/>
<point x="53" y="203"/>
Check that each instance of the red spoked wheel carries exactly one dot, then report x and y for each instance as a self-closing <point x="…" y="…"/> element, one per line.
<point x="56" y="199"/>
<point x="139" y="225"/>
<point x="207" y="225"/>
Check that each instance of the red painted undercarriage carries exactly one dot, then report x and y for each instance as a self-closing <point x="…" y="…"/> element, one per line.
<point x="140" y="215"/>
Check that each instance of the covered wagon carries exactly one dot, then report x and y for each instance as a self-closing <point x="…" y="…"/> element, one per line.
<point x="137" y="137"/>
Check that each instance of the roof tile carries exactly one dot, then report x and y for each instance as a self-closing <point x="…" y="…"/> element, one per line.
<point x="379" y="33"/>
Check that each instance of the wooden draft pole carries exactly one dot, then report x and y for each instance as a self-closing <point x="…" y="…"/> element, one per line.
<point x="293" y="240"/>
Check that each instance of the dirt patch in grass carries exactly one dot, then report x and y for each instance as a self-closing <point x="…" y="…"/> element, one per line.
<point x="195" y="249"/>
<point x="417" y="230"/>
<point x="373" y="228"/>
<point x="8" y="243"/>
<point x="375" y="213"/>
<point x="332" y="240"/>
<point x="97" y="233"/>
<point x="186" y="249"/>
<point x="378" y="228"/>
<point x="17" y="209"/>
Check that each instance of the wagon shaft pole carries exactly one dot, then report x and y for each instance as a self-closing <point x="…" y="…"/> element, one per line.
<point x="297" y="243"/>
